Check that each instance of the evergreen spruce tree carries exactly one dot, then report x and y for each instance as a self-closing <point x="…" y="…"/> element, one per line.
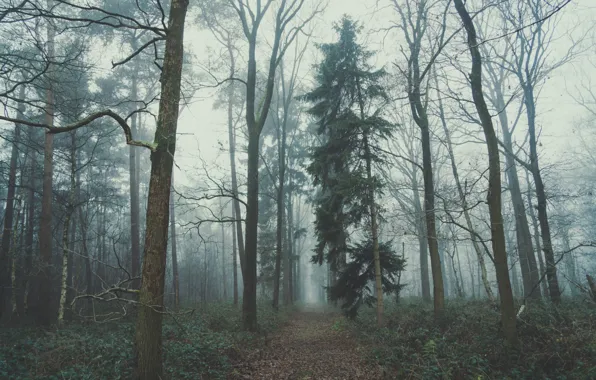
<point x="348" y="105"/>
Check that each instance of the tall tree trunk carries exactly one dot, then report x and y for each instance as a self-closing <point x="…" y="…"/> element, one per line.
<point x="206" y="273"/>
<point x="234" y="256"/>
<point x="511" y="263"/>
<point x="101" y="244"/>
<point x="464" y="202"/>
<point x="44" y="293"/>
<point x="419" y="113"/>
<point x="471" y="270"/>
<point x="461" y="273"/>
<point x="536" y="234"/>
<point x="148" y="337"/>
<point x="444" y="266"/>
<point x="7" y="231"/>
<point x="69" y="209"/>
<point x="14" y="248"/>
<point x="134" y="187"/>
<point x="281" y="159"/>
<point x="293" y="273"/>
<point x="508" y="319"/>
<point x="570" y="263"/>
<point x="176" y="280"/>
<point x="547" y="246"/>
<point x="422" y="240"/>
<point x="86" y="256"/>
<point x="30" y="226"/>
<point x="429" y="212"/>
<point x="223" y="255"/>
<point x="232" y="146"/>
<point x="249" y="275"/>
<point x="374" y="233"/>
<point x="525" y="249"/>
<point x="278" y="256"/>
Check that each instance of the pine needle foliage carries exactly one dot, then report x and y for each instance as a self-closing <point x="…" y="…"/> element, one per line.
<point x="347" y="105"/>
<point x="354" y="285"/>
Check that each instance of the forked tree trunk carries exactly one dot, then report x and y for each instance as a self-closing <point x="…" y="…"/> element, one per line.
<point x="464" y="203"/>
<point x="148" y="336"/>
<point x="508" y="318"/>
<point x="547" y="246"/>
<point x="527" y="260"/>
<point x="255" y="120"/>
<point x="418" y="110"/>
<point x="232" y="146"/>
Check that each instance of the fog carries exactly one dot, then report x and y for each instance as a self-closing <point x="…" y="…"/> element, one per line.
<point x="161" y="157"/>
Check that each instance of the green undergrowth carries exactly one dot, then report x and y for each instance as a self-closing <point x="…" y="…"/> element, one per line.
<point x="555" y="344"/>
<point x="201" y="345"/>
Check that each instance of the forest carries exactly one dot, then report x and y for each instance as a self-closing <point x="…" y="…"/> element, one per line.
<point x="297" y="189"/>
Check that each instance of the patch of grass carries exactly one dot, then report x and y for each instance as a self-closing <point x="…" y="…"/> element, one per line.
<point x="203" y="345"/>
<point x="554" y="343"/>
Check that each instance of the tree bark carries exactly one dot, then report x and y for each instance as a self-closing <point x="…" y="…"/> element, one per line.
<point x="527" y="260"/>
<point x="374" y="233"/>
<point x="30" y="230"/>
<point x="44" y="293"/>
<point x="66" y="229"/>
<point x="134" y="188"/>
<point x="255" y="120"/>
<point x="464" y="202"/>
<point x="429" y="212"/>
<point x="249" y="276"/>
<point x="422" y="240"/>
<point x="9" y="209"/>
<point x="543" y="284"/>
<point x="176" y="279"/>
<point x="508" y="318"/>
<point x="280" y="215"/>
<point x="148" y="338"/>
<point x="421" y="119"/>
<point x="232" y="146"/>
<point x="223" y="255"/>
<point x="547" y="246"/>
<point x="86" y="256"/>
<point x="15" y="262"/>
<point x="279" y="253"/>
<point x="293" y="273"/>
<point x="234" y="260"/>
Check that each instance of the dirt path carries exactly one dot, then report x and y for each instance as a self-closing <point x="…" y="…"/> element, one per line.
<point x="309" y="347"/>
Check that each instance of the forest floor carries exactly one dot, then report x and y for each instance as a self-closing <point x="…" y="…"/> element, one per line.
<point x="312" y="345"/>
<point x="308" y="343"/>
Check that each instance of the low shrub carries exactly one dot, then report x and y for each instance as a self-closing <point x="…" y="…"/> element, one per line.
<point x="201" y="345"/>
<point x="555" y="343"/>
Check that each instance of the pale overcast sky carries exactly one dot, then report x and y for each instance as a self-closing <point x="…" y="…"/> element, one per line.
<point x="201" y="128"/>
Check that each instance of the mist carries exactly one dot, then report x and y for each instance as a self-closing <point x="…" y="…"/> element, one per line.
<point x="254" y="189"/>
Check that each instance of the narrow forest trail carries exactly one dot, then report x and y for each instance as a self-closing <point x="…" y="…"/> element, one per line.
<point x="309" y="347"/>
